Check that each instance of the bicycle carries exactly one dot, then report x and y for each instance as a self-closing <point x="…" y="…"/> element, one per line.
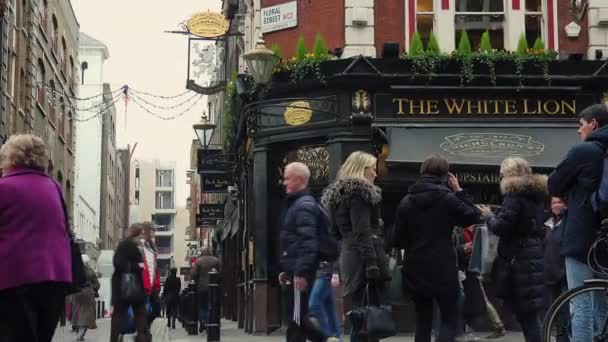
<point x="600" y="245"/>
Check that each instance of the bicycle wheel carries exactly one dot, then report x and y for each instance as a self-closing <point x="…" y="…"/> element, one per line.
<point x="556" y="323"/>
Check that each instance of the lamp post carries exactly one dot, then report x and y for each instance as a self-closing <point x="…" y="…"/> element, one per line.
<point x="261" y="61"/>
<point x="203" y="129"/>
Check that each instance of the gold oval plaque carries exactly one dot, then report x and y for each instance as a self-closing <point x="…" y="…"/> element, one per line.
<point x="298" y="113"/>
<point x="208" y="24"/>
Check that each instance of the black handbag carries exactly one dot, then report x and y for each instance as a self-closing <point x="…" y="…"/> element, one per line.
<point x="373" y="321"/>
<point x="79" y="278"/>
<point x="131" y="289"/>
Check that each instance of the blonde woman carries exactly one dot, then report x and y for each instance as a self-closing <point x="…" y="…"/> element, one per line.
<point x="35" y="262"/>
<point x="518" y="271"/>
<point x="353" y="201"/>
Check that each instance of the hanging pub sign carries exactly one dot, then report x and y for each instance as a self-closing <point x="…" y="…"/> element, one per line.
<point x="209" y="160"/>
<point x="209" y="214"/>
<point x="511" y="106"/>
<point x="215" y="182"/>
<point x="208" y="25"/>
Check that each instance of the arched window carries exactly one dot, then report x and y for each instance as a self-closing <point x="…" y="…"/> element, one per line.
<point x="70" y="123"/>
<point x="60" y="116"/>
<point x="68" y="194"/>
<point x="84" y="66"/>
<point x="52" y="99"/>
<point x="64" y="54"/>
<point x="41" y="82"/>
<point x="55" y="34"/>
<point x="22" y="89"/>
<point x="71" y="73"/>
<point x="45" y="16"/>
<point x="60" y="179"/>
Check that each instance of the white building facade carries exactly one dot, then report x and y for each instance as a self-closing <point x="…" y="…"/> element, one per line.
<point x="92" y="55"/>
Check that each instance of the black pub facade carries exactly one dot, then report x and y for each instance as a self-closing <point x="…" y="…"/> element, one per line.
<point x="377" y="105"/>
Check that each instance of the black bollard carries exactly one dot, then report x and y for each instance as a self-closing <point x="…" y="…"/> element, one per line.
<point x="213" y="322"/>
<point x="190" y="310"/>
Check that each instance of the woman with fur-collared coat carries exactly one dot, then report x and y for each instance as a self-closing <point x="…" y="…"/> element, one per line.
<point x="84" y="304"/>
<point x="353" y="201"/>
<point x="519" y="224"/>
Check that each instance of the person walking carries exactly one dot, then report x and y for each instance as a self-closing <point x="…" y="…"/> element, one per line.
<point x="575" y="179"/>
<point x="322" y="305"/>
<point x="555" y="265"/>
<point x="84" y="304"/>
<point x="353" y="201"/>
<point x="202" y="267"/>
<point x="35" y="256"/>
<point x="150" y="274"/>
<point x="173" y="286"/>
<point x="519" y="225"/>
<point x="299" y="248"/>
<point x="424" y="222"/>
<point x="129" y="259"/>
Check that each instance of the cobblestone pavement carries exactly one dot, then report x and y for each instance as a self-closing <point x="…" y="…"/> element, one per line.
<point x="230" y="333"/>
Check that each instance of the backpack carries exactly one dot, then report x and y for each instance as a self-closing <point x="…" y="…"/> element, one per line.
<point x="599" y="198"/>
<point x="328" y="245"/>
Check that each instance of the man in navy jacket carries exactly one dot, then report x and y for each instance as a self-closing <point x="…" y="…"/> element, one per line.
<point x="299" y="246"/>
<point x="574" y="179"/>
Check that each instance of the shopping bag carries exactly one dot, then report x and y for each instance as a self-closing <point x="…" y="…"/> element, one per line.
<point x="485" y="246"/>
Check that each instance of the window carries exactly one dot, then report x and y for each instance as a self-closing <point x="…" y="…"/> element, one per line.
<point x="478" y="16"/>
<point x="55" y="35"/>
<point x="137" y="178"/>
<point x="164" y="178"/>
<point x="164" y="200"/>
<point x="60" y="122"/>
<point x="51" y="105"/>
<point x="45" y="16"/>
<point x="63" y="57"/>
<point x="424" y="19"/>
<point x="163" y="221"/>
<point x="40" y="83"/>
<point x="534" y="21"/>
<point x="70" y="130"/>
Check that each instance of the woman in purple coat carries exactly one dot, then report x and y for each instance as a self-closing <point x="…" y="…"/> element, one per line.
<point x="35" y="262"/>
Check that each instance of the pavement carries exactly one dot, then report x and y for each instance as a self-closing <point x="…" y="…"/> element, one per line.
<point x="229" y="333"/>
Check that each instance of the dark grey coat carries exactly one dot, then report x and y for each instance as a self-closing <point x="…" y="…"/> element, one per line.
<point x="353" y="204"/>
<point x="519" y="224"/>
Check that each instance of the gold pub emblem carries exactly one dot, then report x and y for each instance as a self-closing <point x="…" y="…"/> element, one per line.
<point x="298" y="113"/>
<point x="208" y="25"/>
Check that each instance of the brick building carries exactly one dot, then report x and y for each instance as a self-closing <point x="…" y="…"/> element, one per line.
<point x="363" y="26"/>
<point x="39" y="79"/>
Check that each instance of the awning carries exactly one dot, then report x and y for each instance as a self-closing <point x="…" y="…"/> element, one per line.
<point x="543" y="147"/>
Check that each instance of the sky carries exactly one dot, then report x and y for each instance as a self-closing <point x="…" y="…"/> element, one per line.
<point x="147" y="59"/>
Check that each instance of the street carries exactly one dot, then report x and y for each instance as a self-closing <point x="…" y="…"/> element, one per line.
<point x="230" y="333"/>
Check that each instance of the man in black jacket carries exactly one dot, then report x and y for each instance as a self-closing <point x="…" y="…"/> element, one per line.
<point x="574" y="179"/>
<point x="299" y="246"/>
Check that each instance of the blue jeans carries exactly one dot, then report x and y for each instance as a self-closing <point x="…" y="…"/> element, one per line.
<point x="588" y="311"/>
<point x="321" y="305"/>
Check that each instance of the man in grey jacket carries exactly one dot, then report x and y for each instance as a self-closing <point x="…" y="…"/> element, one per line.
<point x="202" y="267"/>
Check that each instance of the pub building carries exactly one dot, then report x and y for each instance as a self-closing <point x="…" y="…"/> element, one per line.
<point x="376" y="105"/>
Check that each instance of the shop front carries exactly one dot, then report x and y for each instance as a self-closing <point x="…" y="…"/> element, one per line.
<point x="376" y="105"/>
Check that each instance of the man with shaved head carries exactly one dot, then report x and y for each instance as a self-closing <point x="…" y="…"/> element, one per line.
<point x="299" y="248"/>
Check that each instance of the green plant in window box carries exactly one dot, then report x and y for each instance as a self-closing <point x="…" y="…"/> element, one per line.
<point x="433" y="45"/>
<point x="229" y="120"/>
<point x="277" y="50"/>
<point x="416" y="46"/>
<point x="306" y="65"/>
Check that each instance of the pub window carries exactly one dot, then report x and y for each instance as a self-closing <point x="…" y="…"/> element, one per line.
<point x="478" y="16"/>
<point x="424" y="19"/>
<point x="534" y="21"/>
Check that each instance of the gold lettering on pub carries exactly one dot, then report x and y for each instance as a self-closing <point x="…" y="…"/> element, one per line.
<point x="466" y="106"/>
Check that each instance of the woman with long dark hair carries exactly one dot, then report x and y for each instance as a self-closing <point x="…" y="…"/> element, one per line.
<point x="129" y="259"/>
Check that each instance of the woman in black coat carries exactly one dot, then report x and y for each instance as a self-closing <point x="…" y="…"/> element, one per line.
<point x="518" y="271"/>
<point x="425" y="220"/>
<point x="128" y="259"/>
<point x="353" y="201"/>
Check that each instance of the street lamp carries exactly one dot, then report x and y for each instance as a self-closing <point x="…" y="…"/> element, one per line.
<point x="261" y="61"/>
<point x="203" y="129"/>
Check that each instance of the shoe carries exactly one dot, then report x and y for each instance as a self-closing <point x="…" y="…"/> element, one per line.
<point x="468" y="337"/>
<point x="497" y="334"/>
